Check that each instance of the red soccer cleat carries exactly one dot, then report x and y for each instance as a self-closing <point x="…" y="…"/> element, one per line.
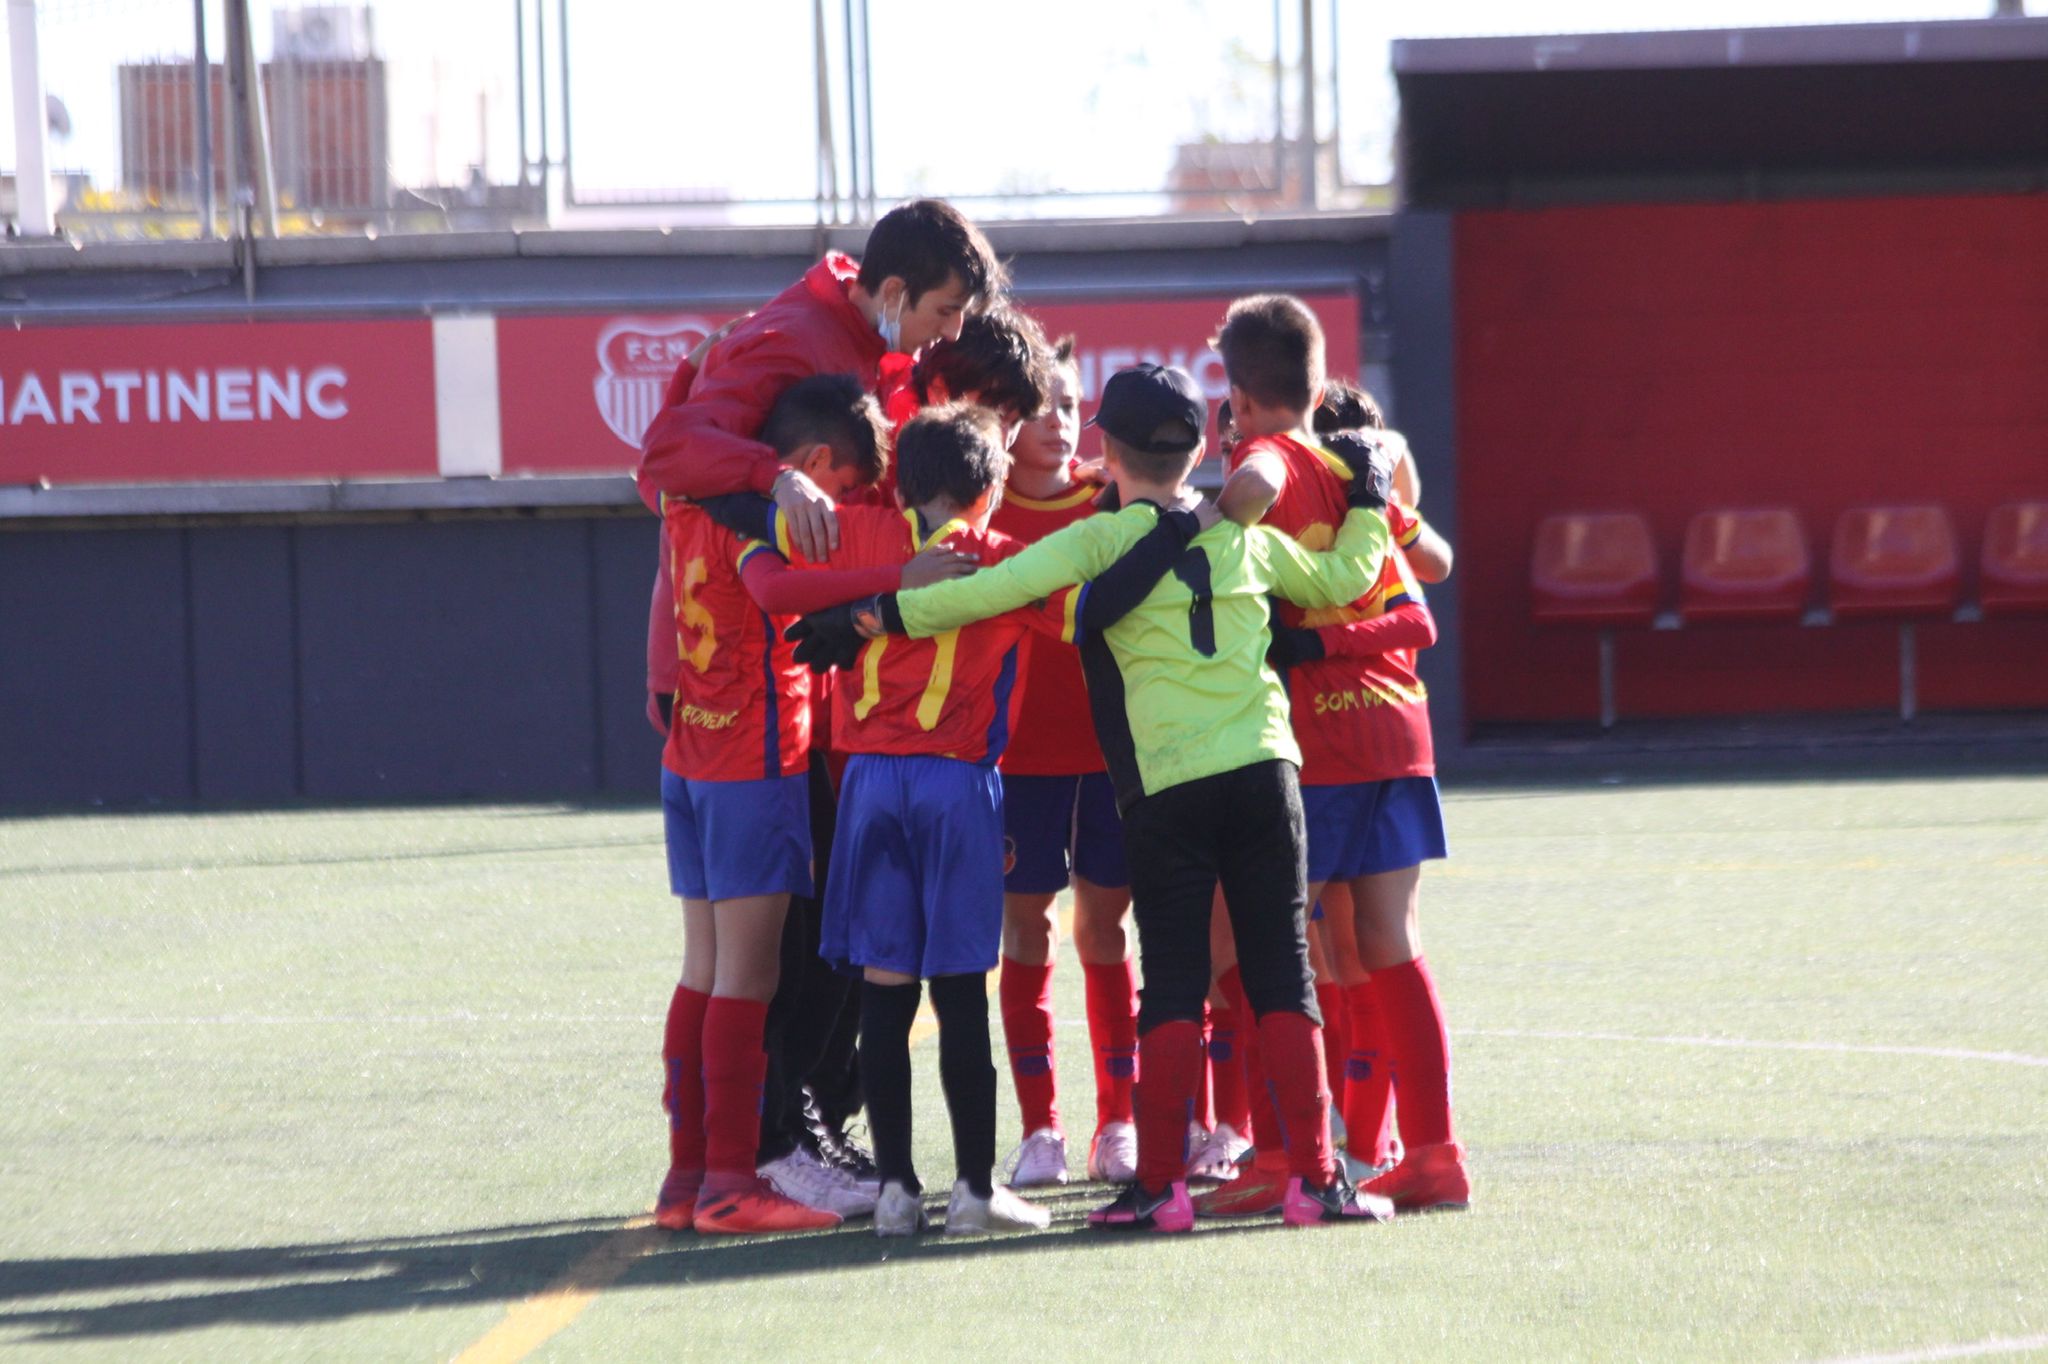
<point x="676" y="1206"/>
<point x="1428" y="1178"/>
<point x="1259" y="1190"/>
<point x="757" y="1207"/>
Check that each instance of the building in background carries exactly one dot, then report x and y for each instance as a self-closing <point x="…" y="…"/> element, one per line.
<point x="324" y="89"/>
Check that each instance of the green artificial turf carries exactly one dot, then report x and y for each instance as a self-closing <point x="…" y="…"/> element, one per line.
<point x="1747" y="1071"/>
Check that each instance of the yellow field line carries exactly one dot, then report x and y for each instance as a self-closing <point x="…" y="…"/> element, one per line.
<point x="532" y="1322"/>
<point x="529" y="1324"/>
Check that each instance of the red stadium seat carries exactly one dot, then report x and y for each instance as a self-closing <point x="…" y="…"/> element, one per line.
<point x="1597" y="569"/>
<point x="1744" y="564"/>
<point x="1896" y="563"/>
<point x="2014" y="569"/>
<point x="1893" y="562"/>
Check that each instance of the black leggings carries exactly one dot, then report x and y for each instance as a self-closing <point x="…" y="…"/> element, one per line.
<point x="966" y="1074"/>
<point x="1242" y="828"/>
<point x="809" y="997"/>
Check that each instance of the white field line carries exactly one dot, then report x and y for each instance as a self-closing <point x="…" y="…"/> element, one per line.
<point x="2010" y="1346"/>
<point x="458" y="1018"/>
<point x="463" y="1018"/>
<point x="2008" y="1058"/>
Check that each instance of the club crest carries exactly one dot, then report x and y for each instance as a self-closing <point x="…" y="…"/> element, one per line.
<point x="636" y="357"/>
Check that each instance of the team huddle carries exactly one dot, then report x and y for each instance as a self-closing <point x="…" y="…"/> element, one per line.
<point x="920" y="669"/>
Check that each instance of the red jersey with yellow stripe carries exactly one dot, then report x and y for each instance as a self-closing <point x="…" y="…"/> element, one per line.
<point x="954" y="695"/>
<point x="1055" y="730"/>
<point x="742" y="708"/>
<point x="1357" y="719"/>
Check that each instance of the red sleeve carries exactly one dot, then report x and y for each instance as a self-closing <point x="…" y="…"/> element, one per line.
<point x="704" y="445"/>
<point x="1407" y="626"/>
<point x="781" y="590"/>
<point x="662" y="660"/>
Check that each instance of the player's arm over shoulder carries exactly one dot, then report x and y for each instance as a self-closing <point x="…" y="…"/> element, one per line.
<point x="1253" y="487"/>
<point x="1340" y="574"/>
<point x="704" y="445"/>
<point x="1068" y="556"/>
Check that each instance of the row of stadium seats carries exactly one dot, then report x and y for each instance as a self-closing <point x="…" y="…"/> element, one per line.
<point x="1752" y="565"/>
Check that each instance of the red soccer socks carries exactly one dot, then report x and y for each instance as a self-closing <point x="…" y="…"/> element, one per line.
<point x="1226" y="1057"/>
<point x="1169" y="1067"/>
<point x="682" y="1097"/>
<point x="734" y="1066"/>
<point x="1336" y="1038"/>
<point x="1413" y="1022"/>
<point x="1368" y="1080"/>
<point x="1025" y="993"/>
<point x="1292" y="1049"/>
<point x="1113" y="1033"/>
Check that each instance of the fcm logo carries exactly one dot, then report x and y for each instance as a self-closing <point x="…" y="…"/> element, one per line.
<point x="636" y="357"/>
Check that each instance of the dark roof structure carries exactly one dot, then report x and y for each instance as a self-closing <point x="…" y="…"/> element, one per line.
<point x="1725" y="114"/>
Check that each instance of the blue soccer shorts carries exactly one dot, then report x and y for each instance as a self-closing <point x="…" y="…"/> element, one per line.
<point x="1056" y="828"/>
<point x="728" y="839"/>
<point x="1369" y="827"/>
<point x="916" y="882"/>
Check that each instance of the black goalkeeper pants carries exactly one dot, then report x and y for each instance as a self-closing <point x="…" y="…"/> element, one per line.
<point x="1244" y="830"/>
<point x="810" y="997"/>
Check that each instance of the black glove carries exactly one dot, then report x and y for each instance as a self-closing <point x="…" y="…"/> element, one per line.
<point x="1290" y="647"/>
<point x="830" y="638"/>
<point x="1372" y="468"/>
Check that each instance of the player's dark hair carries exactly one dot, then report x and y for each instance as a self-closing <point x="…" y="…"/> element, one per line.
<point x="1346" y="407"/>
<point x="923" y="243"/>
<point x="1066" y="352"/>
<point x="834" y="410"/>
<point x="1272" y="348"/>
<point x="1000" y="360"/>
<point x="1155" y="466"/>
<point x="954" y="451"/>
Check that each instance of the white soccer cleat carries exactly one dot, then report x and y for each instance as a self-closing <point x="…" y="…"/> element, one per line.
<point x="1041" y="1160"/>
<point x="1214" y="1155"/>
<point x="969" y="1214"/>
<point x="806" y="1179"/>
<point x="898" y="1212"/>
<point x="1113" y="1155"/>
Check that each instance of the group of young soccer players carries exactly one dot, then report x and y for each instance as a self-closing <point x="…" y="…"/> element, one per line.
<point x="930" y="670"/>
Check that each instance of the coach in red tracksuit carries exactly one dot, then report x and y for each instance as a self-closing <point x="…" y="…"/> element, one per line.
<point x="923" y="268"/>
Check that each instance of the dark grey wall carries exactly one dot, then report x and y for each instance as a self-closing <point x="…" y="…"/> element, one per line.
<point x="1424" y="328"/>
<point x="487" y="657"/>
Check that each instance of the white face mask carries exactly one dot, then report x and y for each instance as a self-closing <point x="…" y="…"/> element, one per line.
<point x="891" y="328"/>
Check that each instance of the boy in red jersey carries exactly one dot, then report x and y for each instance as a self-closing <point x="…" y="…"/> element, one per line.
<point x="998" y="361"/>
<point x="914" y="891"/>
<point x="1060" y="827"/>
<point x="735" y="800"/>
<point x="1361" y="715"/>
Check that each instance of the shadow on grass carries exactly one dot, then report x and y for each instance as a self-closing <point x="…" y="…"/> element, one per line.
<point x="142" y="1295"/>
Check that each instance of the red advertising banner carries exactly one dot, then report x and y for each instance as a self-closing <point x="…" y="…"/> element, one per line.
<point x="217" y="400"/>
<point x="577" y="391"/>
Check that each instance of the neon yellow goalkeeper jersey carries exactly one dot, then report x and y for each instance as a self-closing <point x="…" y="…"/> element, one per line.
<point x="1180" y="687"/>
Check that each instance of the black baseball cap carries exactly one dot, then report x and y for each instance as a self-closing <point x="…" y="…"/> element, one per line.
<point x="1137" y="402"/>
